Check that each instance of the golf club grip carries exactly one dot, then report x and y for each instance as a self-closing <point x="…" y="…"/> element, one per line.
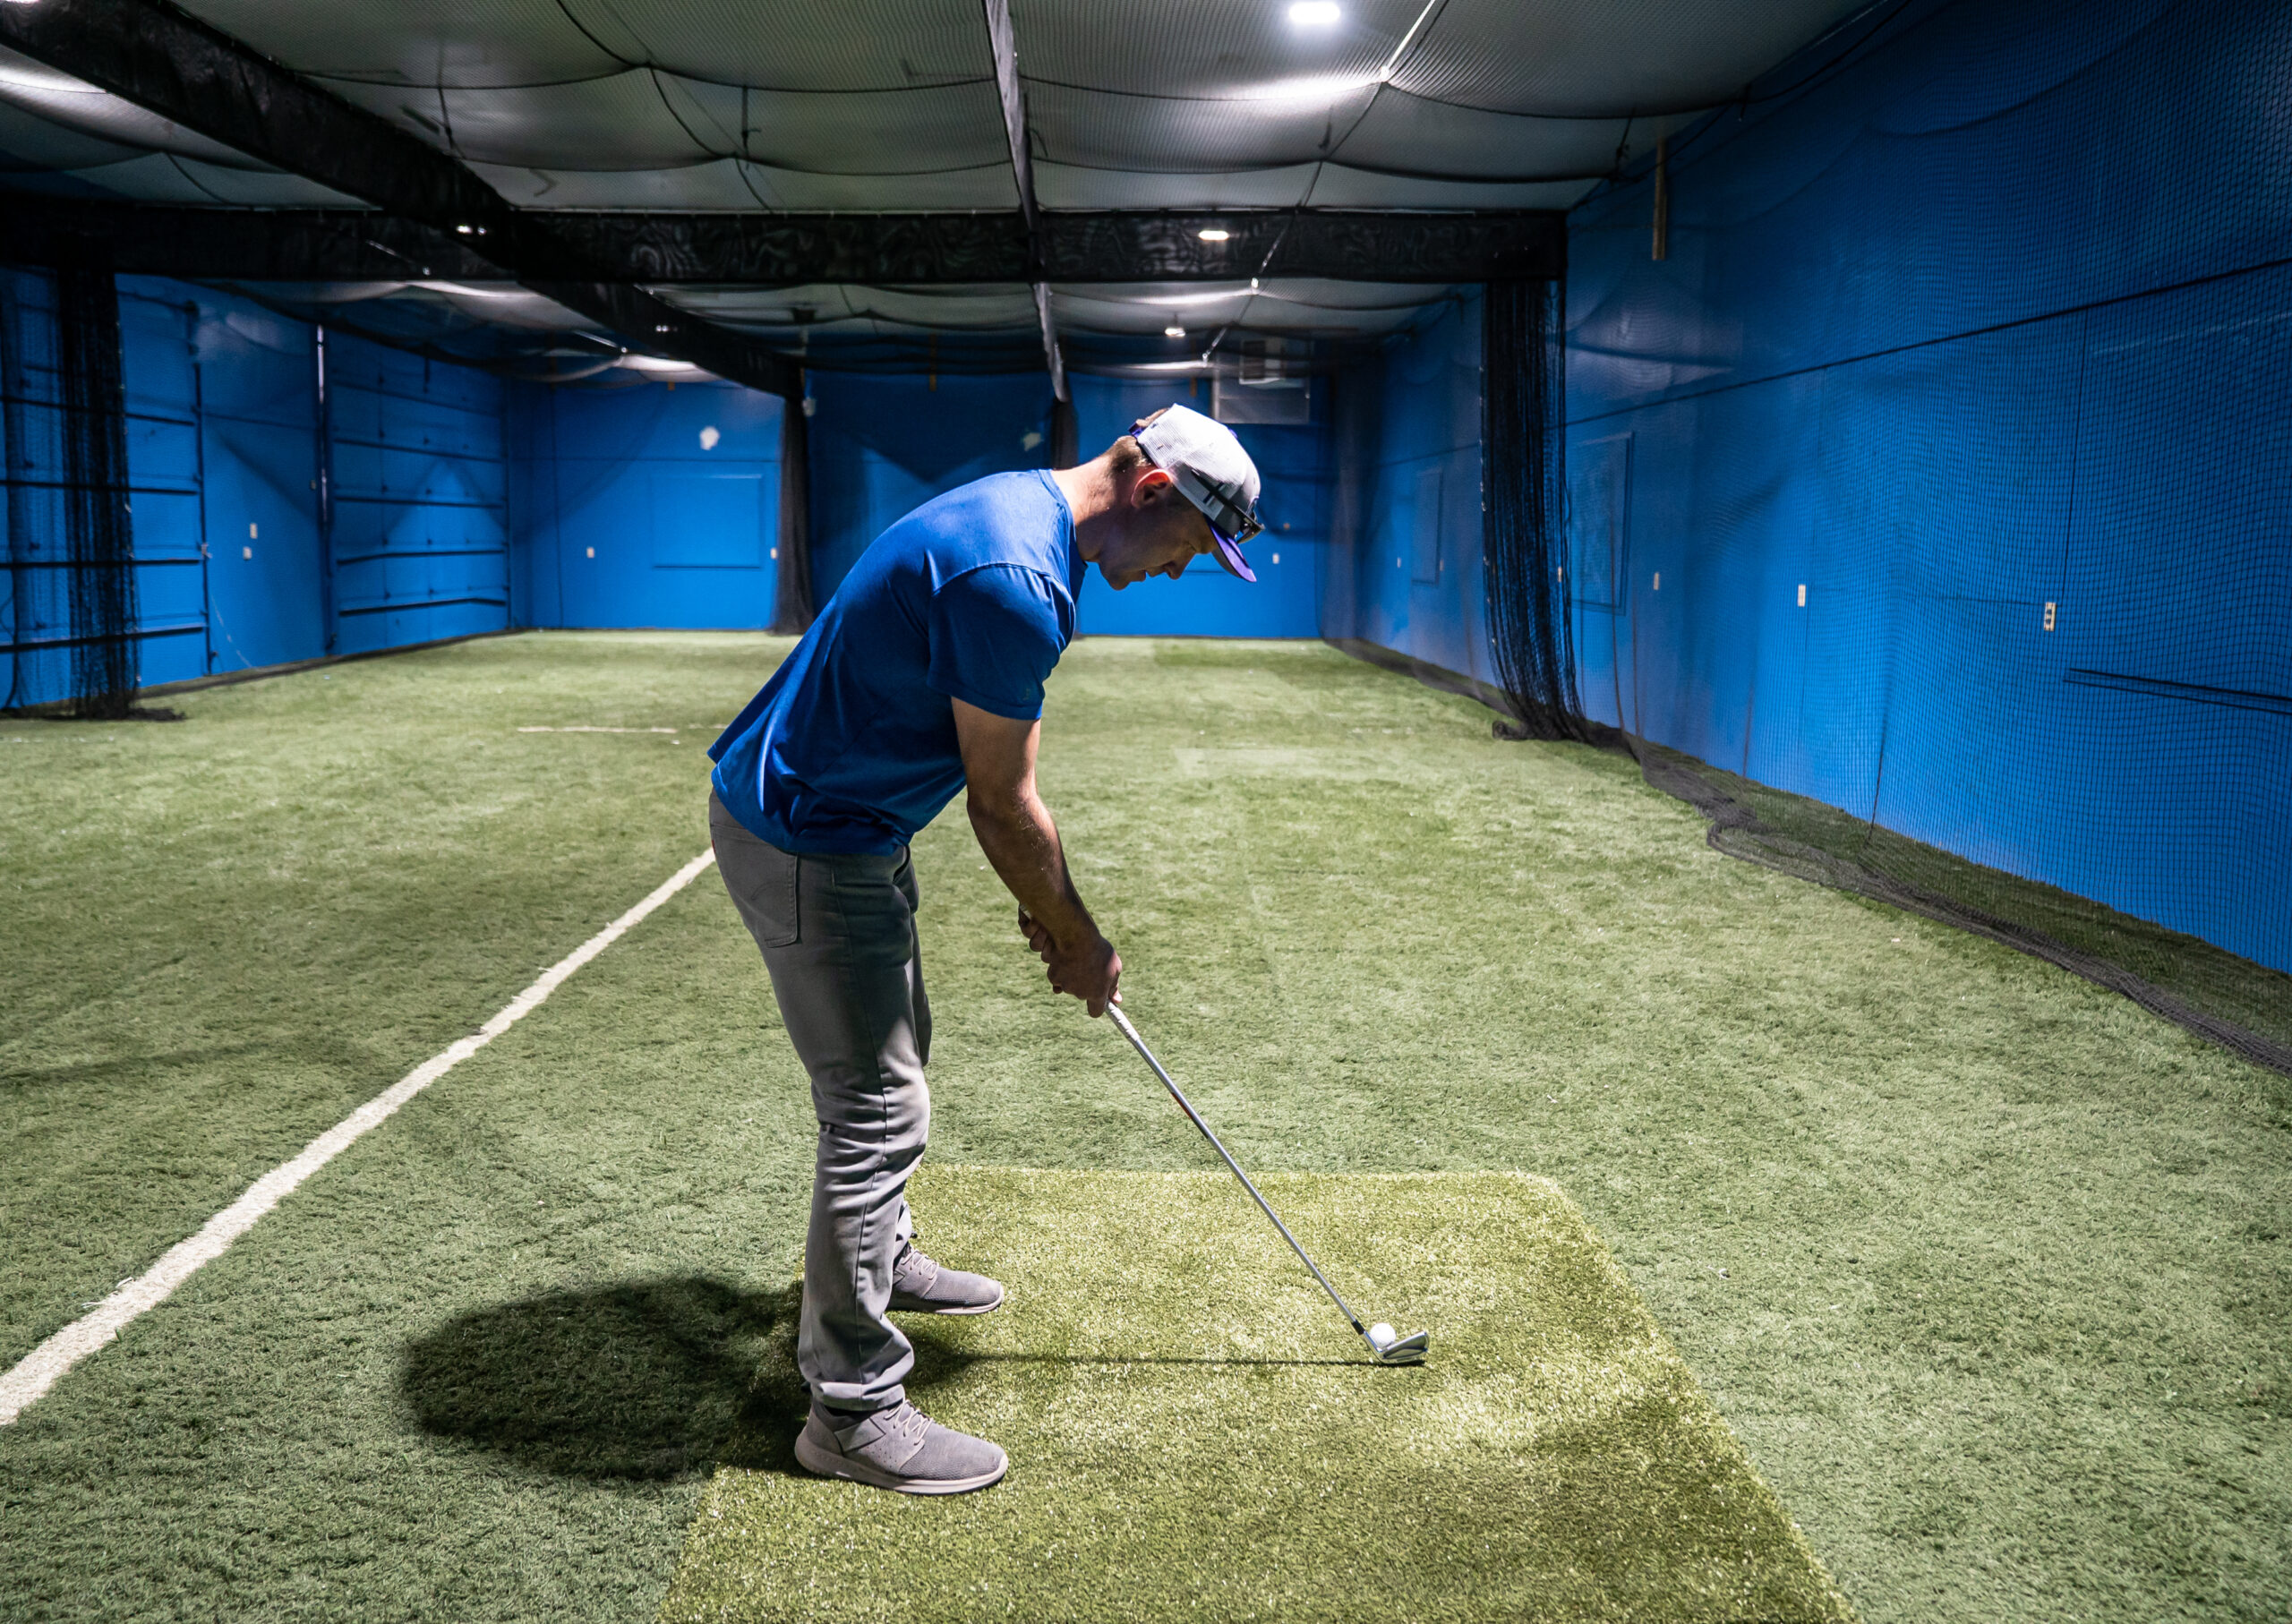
<point x="1121" y="1022"/>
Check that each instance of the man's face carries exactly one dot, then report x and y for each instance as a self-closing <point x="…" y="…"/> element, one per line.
<point x="1160" y="533"/>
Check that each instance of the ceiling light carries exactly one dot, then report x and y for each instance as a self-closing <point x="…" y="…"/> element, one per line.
<point x="1174" y="331"/>
<point x="464" y="230"/>
<point x="1313" y="14"/>
<point x="1215" y="233"/>
<point x="656" y="364"/>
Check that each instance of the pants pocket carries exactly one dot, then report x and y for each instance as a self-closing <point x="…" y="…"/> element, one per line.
<point x="772" y="908"/>
<point x="762" y="879"/>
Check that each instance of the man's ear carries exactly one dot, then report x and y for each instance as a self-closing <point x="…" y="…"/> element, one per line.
<point x="1153" y="487"/>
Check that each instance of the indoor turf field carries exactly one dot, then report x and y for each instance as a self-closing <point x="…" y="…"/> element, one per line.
<point x="1983" y="1267"/>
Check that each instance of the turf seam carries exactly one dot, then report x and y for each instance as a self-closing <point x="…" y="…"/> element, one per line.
<point x="47" y="1363"/>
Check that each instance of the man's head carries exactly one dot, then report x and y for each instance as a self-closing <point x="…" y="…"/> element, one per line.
<point x="1181" y="486"/>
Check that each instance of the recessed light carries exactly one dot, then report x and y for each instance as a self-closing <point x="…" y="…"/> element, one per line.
<point x="1313" y="14"/>
<point x="1174" y="331"/>
<point x="1215" y="233"/>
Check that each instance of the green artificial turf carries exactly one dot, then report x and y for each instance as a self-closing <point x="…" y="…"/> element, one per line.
<point x="1194" y="1432"/>
<point x="1987" y="1268"/>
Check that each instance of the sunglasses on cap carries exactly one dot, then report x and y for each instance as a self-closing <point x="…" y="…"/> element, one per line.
<point x="1229" y="522"/>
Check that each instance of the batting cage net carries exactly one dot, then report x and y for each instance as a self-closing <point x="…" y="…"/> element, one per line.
<point x="99" y="542"/>
<point x="1523" y="546"/>
<point x="71" y="619"/>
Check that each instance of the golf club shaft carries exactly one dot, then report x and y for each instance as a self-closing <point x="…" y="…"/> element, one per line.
<point x="1194" y="1116"/>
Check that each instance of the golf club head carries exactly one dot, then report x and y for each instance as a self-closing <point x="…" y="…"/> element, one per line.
<point x="1392" y="1349"/>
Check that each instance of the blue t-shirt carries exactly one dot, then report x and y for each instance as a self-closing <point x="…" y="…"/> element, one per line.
<point x="852" y="746"/>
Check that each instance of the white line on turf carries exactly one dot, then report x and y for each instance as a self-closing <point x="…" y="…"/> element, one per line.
<point x="596" y="729"/>
<point x="42" y="1367"/>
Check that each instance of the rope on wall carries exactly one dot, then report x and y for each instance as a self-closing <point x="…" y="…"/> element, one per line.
<point x="1523" y="535"/>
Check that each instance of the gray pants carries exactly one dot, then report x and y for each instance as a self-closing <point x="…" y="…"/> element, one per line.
<point x="838" y="934"/>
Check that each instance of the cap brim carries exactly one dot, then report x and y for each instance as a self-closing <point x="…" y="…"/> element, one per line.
<point x="1230" y="556"/>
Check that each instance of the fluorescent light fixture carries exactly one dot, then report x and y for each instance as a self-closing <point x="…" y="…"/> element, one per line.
<point x="32" y="79"/>
<point x="1215" y="233"/>
<point x="656" y="364"/>
<point x="1314" y="90"/>
<point x="1167" y="301"/>
<point x="1313" y="14"/>
<point x="1174" y="331"/>
<point x="473" y="292"/>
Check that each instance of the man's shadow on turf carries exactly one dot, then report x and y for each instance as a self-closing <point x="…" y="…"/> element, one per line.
<point x="643" y="1380"/>
<point x="651" y="1380"/>
<point x="640" y="1382"/>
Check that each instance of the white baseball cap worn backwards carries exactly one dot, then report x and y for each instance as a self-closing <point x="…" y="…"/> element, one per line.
<point x="1208" y="466"/>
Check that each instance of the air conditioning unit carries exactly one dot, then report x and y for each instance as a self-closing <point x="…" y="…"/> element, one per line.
<point x="1234" y="403"/>
<point x="1265" y="364"/>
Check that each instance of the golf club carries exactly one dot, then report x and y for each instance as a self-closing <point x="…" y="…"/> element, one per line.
<point x="1389" y="1348"/>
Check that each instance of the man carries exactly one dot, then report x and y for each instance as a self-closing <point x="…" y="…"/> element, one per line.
<point x="923" y="675"/>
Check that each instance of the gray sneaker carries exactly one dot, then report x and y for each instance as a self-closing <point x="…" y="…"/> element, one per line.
<point x="921" y="1287"/>
<point x="901" y="1449"/>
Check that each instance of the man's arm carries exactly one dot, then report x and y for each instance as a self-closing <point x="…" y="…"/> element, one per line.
<point x="1016" y="831"/>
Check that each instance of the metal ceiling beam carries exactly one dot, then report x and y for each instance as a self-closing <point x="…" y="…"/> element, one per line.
<point x="1022" y="172"/>
<point x="168" y="61"/>
<point x="794" y="250"/>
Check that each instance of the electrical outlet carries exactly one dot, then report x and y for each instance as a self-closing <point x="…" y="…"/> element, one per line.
<point x="247" y="552"/>
<point x="1802" y="594"/>
<point x="1658" y="586"/>
<point x="592" y="552"/>
<point x="2049" y="617"/>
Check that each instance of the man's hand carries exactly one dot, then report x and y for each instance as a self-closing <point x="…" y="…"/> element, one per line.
<point x="1090" y="971"/>
<point x="1015" y="831"/>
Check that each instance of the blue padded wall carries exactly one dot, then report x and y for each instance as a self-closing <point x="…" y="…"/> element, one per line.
<point x="163" y="498"/>
<point x="648" y="506"/>
<point x="163" y="470"/>
<point x="1404" y="568"/>
<point x="1984" y="345"/>
<point x="420" y="534"/>
<point x="883" y="444"/>
<point x="1205" y="601"/>
<point x="258" y="453"/>
<point x="225" y="452"/>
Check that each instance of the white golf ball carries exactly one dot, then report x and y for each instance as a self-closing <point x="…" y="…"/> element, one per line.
<point x="1381" y="1333"/>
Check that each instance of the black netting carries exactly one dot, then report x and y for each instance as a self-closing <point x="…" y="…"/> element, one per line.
<point x="1522" y="433"/>
<point x="2232" y="1001"/>
<point x="791" y="601"/>
<point x="99" y="544"/>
